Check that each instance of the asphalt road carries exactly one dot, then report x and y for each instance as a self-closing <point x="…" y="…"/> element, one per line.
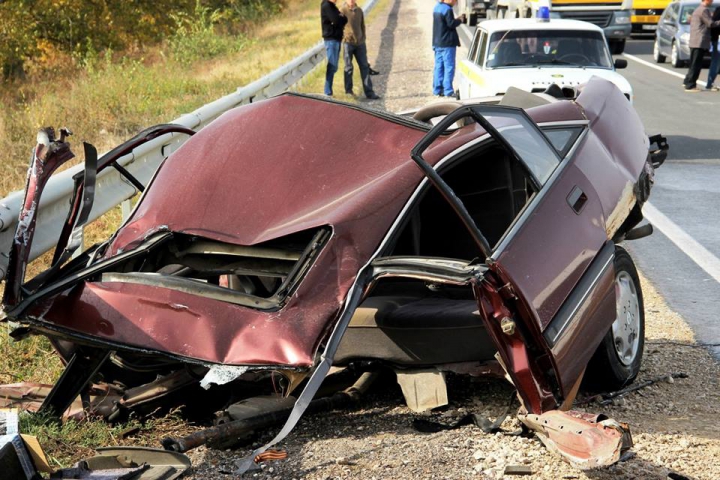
<point x="681" y="257"/>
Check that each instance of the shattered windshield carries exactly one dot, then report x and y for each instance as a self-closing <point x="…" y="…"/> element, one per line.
<point x="548" y="48"/>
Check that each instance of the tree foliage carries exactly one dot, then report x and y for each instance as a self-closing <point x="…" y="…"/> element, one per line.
<point x="38" y="30"/>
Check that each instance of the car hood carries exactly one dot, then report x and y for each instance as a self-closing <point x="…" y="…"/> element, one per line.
<point x="565" y="77"/>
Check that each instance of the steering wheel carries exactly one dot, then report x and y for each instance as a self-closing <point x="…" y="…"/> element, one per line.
<point x="439" y="109"/>
<point x="574" y="58"/>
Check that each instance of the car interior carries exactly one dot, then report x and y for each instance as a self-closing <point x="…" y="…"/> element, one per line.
<point x="411" y="323"/>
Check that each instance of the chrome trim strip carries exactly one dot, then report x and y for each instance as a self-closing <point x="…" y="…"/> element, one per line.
<point x="568" y="318"/>
<point x="565" y="123"/>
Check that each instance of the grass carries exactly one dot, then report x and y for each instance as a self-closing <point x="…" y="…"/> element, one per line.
<point x="104" y="101"/>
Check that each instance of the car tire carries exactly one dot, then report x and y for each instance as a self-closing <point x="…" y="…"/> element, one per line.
<point x="617" y="46"/>
<point x="617" y="360"/>
<point x="657" y="56"/>
<point x="675" y="56"/>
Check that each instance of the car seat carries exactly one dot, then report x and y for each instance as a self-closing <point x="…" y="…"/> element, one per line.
<point x="569" y="46"/>
<point x="508" y="53"/>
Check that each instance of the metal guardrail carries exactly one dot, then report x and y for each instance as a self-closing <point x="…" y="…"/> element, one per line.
<point x="111" y="188"/>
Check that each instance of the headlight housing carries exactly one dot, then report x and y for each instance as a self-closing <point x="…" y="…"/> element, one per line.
<point x="622" y="18"/>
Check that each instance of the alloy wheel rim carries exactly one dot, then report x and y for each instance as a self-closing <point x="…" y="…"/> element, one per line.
<point x="656" y="51"/>
<point x="674" y="54"/>
<point x="626" y="327"/>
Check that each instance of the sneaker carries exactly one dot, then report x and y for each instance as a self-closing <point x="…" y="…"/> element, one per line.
<point x="372" y="72"/>
<point x="373" y="96"/>
<point x="712" y="89"/>
<point x="350" y="92"/>
<point x="438" y="95"/>
<point x="692" y="90"/>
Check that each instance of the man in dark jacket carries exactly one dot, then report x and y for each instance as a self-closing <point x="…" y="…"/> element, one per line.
<point x="445" y="43"/>
<point x="333" y="23"/>
<point x="715" y="62"/>
<point x="700" y="25"/>
<point x="354" y="46"/>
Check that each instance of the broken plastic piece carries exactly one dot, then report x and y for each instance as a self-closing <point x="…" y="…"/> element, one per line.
<point x="128" y="463"/>
<point x="423" y="389"/>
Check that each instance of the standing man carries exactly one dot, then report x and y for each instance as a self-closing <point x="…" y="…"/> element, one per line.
<point x="445" y="43"/>
<point x="354" y="46"/>
<point x="700" y="25"/>
<point x="332" y="31"/>
<point x="715" y="62"/>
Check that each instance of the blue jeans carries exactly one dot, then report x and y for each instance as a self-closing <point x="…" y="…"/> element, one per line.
<point x="444" y="71"/>
<point x="714" y="64"/>
<point x="332" y="49"/>
<point x="360" y="54"/>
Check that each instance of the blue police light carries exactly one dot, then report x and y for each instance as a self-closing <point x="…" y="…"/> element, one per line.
<point x="543" y="11"/>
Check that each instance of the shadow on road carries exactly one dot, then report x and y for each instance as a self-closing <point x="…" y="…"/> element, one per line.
<point x="683" y="147"/>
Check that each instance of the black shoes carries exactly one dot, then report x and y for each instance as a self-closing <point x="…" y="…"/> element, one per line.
<point x="373" y="96"/>
<point x="373" y="72"/>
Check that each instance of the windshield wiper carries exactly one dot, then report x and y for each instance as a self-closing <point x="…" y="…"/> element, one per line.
<point x="555" y="61"/>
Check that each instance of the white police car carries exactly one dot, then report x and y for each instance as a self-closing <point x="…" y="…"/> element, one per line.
<point x="532" y="55"/>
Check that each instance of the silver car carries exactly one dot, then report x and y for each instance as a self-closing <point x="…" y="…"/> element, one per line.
<point x="673" y="34"/>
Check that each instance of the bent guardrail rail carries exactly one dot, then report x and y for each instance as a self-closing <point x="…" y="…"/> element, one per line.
<point x="111" y="188"/>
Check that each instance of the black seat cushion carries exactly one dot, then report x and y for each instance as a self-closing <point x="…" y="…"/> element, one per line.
<point x="412" y="331"/>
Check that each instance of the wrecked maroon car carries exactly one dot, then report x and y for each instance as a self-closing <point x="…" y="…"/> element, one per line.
<point x="298" y="234"/>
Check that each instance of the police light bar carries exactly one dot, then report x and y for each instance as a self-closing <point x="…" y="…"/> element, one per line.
<point x="543" y="11"/>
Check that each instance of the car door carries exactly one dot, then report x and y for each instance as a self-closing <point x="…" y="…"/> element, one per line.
<point x="539" y="304"/>
<point x="671" y="26"/>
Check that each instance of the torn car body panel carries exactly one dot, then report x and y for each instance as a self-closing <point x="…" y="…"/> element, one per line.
<point x="265" y="236"/>
<point x="585" y="440"/>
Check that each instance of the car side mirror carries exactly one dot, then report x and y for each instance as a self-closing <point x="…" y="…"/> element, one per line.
<point x="620" y="63"/>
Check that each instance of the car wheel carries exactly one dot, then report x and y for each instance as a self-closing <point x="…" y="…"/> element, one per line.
<point x="675" y="56"/>
<point x="617" y="360"/>
<point x="617" y="46"/>
<point x="657" y="56"/>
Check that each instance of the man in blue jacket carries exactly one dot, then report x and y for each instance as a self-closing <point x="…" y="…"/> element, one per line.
<point x="445" y="43"/>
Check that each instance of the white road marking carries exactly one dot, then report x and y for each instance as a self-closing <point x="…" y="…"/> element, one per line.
<point x="657" y="67"/>
<point x="699" y="254"/>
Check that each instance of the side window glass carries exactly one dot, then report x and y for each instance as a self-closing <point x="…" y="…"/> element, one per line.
<point x="525" y="139"/>
<point x="562" y="139"/>
<point x="474" y="47"/>
<point x="482" y="49"/>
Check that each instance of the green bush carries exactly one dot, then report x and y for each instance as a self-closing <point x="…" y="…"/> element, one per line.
<point x="195" y="37"/>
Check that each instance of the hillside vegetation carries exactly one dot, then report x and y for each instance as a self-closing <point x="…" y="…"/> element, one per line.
<point x="107" y="69"/>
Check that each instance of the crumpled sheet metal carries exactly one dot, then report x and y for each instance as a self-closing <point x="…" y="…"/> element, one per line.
<point x="585" y="440"/>
<point x="29" y="397"/>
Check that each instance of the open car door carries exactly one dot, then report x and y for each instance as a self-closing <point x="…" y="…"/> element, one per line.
<point x="548" y="296"/>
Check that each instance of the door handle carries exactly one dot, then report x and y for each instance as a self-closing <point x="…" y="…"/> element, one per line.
<point x="577" y="199"/>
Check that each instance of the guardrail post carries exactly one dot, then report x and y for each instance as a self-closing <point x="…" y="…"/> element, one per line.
<point x="126" y="207"/>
